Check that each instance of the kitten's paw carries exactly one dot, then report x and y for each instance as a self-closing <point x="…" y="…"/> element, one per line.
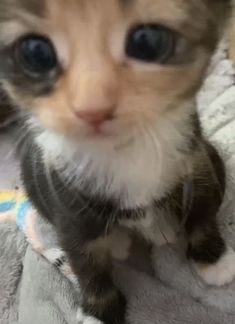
<point x="221" y="273"/>
<point x="91" y="320"/>
<point x="84" y="319"/>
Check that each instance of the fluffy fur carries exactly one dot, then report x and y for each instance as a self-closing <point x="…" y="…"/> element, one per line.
<point x="148" y="161"/>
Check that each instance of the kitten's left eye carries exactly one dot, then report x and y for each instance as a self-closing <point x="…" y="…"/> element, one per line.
<point x="151" y="43"/>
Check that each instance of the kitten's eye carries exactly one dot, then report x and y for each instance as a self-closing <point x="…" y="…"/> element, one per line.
<point x="151" y="43"/>
<point x="36" y="55"/>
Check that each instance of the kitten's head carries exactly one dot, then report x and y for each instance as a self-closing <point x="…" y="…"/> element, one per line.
<point x="105" y="69"/>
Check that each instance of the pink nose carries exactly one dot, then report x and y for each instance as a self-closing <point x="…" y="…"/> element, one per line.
<point x="95" y="117"/>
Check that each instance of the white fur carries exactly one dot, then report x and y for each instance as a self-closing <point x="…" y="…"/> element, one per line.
<point x="221" y="273"/>
<point x="91" y="320"/>
<point x="84" y="319"/>
<point x="146" y="168"/>
<point x="53" y="254"/>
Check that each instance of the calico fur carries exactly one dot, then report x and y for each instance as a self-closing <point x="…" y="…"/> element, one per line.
<point x="152" y="162"/>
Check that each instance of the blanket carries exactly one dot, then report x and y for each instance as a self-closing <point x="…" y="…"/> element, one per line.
<point x="34" y="290"/>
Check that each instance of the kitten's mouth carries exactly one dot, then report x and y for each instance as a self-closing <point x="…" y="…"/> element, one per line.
<point x="106" y="129"/>
<point x="100" y="131"/>
<point x="111" y="134"/>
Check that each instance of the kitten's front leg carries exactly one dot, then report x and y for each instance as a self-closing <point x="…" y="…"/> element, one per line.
<point x="220" y="273"/>
<point x="91" y="262"/>
<point x="213" y="260"/>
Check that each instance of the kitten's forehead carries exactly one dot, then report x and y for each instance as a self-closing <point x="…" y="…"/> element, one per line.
<point x="155" y="7"/>
<point x="147" y="9"/>
<point x="189" y="15"/>
<point x="197" y="20"/>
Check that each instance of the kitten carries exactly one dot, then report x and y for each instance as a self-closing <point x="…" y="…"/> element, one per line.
<point x="106" y="95"/>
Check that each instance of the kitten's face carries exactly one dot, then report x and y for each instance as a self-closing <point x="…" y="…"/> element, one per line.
<point x="105" y="68"/>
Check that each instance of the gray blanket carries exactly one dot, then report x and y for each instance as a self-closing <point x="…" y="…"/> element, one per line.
<point x="32" y="291"/>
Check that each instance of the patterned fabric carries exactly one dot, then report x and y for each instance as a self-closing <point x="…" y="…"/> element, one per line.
<point x="15" y="206"/>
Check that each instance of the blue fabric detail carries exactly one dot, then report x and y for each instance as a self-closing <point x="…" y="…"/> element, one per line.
<point x="22" y="213"/>
<point x="7" y="206"/>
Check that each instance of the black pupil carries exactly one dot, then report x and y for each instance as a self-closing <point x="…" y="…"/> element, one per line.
<point x="37" y="55"/>
<point x="151" y="43"/>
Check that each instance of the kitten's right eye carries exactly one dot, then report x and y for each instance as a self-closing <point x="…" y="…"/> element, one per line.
<point x="36" y="56"/>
